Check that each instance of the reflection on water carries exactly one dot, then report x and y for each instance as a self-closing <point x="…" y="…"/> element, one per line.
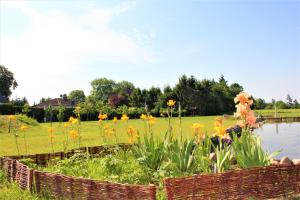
<point x="281" y="136"/>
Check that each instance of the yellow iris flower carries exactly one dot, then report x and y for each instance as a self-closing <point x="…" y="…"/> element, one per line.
<point x="171" y="103"/>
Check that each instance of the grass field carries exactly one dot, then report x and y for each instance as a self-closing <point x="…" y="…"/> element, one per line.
<point x="9" y="190"/>
<point x="38" y="137"/>
<point x="280" y="112"/>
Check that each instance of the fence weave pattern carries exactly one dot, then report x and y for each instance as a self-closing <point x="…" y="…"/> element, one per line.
<point x="65" y="187"/>
<point x="23" y="176"/>
<point x="259" y="183"/>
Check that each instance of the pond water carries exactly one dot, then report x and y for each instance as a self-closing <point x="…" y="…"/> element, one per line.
<point x="281" y="136"/>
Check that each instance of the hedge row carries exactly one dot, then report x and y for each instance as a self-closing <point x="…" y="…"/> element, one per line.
<point x="41" y="115"/>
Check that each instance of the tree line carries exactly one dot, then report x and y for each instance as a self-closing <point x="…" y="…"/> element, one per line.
<point x="195" y="97"/>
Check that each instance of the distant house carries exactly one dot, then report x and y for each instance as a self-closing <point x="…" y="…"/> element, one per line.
<point x="56" y="103"/>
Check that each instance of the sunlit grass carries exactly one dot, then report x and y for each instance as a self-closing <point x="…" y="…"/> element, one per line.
<point x="9" y="190"/>
<point x="280" y="112"/>
<point x="38" y="136"/>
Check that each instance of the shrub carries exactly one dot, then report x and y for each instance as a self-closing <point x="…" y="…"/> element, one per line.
<point x="182" y="154"/>
<point x="27" y="120"/>
<point x="248" y="151"/>
<point x="9" y="109"/>
<point x="150" y="153"/>
<point x="119" y="167"/>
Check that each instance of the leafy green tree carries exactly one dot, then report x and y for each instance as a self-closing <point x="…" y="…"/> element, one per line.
<point x="281" y="105"/>
<point x="289" y="100"/>
<point x="259" y="103"/>
<point x="61" y="113"/>
<point x="235" y="89"/>
<point x="26" y="109"/>
<point x="167" y="94"/>
<point x="296" y="104"/>
<point x="187" y="93"/>
<point x="7" y="83"/>
<point x="152" y="97"/>
<point x="124" y="88"/>
<point x="136" y="99"/>
<point x="89" y="106"/>
<point x="49" y="114"/>
<point x="102" y="88"/>
<point x="77" y="95"/>
<point x="19" y="101"/>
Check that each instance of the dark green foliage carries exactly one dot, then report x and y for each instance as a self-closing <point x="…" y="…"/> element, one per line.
<point x="61" y="113"/>
<point x="77" y="96"/>
<point x="182" y="155"/>
<point x="26" y="109"/>
<point x="205" y="97"/>
<point x="9" y="109"/>
<point x="281" y="105"/>
<point x="19" y="101"/>
<point x="102" y="88"/>
<point x="150" y="153"/>
<point x="197" y="97"/>
<point x="118" y="167"/>
<point x="249" y="152"/>
<point x="37" y="113"/>
<point x="259" y="103"/>
<point x="7" y="83"/>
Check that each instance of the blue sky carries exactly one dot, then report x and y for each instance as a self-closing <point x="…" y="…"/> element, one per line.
<point x="56" y="46"/>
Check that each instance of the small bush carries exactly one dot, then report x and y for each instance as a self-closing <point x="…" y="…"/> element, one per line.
<point x="27" y="120"/>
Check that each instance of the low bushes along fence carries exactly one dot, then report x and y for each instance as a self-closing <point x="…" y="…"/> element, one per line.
<point x="44" y="158"/>
<point x="259" y="183"/>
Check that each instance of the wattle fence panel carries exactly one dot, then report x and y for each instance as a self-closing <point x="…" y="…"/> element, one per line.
<point x="66" y="187"/>
<point x="24" y="176"/>
<point x="258" y="183"/>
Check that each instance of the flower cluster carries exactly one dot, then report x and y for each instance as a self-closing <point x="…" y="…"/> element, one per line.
<point x="133" y="135"/>
<point x="198" y="133"/>
<point x="102" y="117"/>
<point x="124" y="117"/>
<point x="115" y="120"/>
<point x="11" y="118"/>
<point x="108" y="130"/>
<point x="74" y="127"/>
<point x="171" y="103"/>
<point x="23" y="128"/>
<point x="220" y="129"/>
<point x="73" y="120"/>
<point x="243" y="110"/>
<point x="73" y="134"/>
<point x="149" y="118"/>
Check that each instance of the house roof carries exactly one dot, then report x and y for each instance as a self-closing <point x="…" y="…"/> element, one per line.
<point x="56" y="102"/>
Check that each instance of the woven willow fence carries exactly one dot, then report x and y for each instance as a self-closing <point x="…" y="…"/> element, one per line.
<point x="67" y="187"/>
<point x="259" y="183"/>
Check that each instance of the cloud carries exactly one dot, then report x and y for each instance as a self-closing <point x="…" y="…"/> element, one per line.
<point x="58" y="43"/>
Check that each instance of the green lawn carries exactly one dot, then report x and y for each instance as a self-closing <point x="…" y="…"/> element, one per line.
<point x="9" y="190"/>
<point x="280" y="112"/>
<point x="38" y="137"/>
